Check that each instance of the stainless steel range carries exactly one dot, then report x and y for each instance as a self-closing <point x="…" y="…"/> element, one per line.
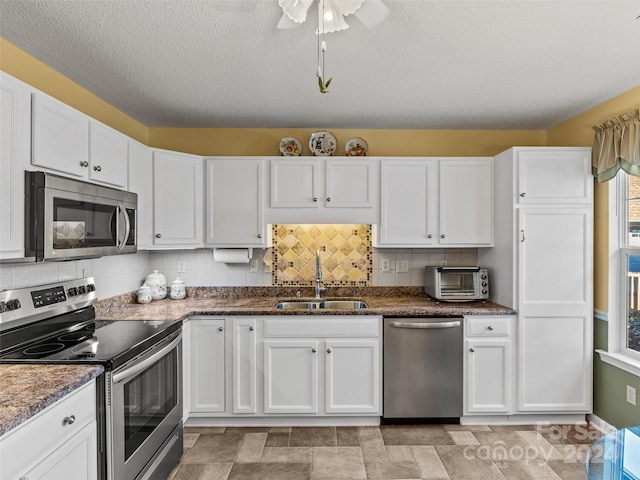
<point x="140" y="394"/>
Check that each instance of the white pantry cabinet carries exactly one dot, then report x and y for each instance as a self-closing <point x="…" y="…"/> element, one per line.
<point x="68" y="142"/>
<point x="234" y="202"/>
<point x="177" y="200"/>
<point x="488" y="364"/>
<point x="443" y="202"/>
<point x="321" y="190"/>
<point x="15" y="151"/>
<point x="543" y="268"/>
<point x="59" y="443"/>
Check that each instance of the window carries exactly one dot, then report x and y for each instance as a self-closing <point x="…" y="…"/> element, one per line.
<point x="630" y="253"/>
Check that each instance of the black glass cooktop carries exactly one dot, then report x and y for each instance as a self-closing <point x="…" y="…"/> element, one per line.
<point x="78" y="338"/>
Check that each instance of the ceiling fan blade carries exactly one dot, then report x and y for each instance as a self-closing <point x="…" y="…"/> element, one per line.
<point x="372" y="13"/>
<point x="296" y="10"/>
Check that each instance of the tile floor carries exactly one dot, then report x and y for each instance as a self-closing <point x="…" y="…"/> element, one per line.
<point x="435" y="452"/>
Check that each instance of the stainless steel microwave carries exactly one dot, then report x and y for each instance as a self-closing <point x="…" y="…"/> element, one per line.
<point x="457" y="284"/>
<point x="67" y="219"/>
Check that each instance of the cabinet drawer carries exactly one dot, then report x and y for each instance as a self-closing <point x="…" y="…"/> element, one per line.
<point x="24" y="446"/>
<point x="488" y="326"/>
<point x="321" y="327"/>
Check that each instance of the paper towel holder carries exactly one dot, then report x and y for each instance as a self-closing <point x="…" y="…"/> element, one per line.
<point x="232" y="255"/>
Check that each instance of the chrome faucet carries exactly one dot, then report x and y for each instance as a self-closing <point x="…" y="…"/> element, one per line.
<point x="319" y="288"/>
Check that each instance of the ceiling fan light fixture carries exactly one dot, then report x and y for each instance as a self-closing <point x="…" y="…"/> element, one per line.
<point x="296" y="10"/>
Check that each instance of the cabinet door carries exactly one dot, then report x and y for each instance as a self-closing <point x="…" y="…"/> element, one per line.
<point x="294" y="183"/>
<point x="76" y="459"/>
<point x="291" y="376"/>
<point x="107" y="155"/>
<point x="177" y="199"/>
<point x="140" y="166"/>
<point x="352" y="369"/>
<point x="408" y="203"/>
<point x="60" y="137"/>
<point x="554" y="368"/>
<point x="547" y="175"/>
<point x="555" y="243"/>
<point x="488" y="372"/>
<point x="466" y="206"/>
<point x="15" y="137"/>
<point x="349" y="183"/>
<point x="234" y="196"/>
<point x="207" y="366"/>
<point x="244" y="365"/>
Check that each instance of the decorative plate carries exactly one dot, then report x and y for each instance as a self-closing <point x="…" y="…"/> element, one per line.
<point x="290" y="147"/>
<point x="356" y="147"/>
<point x="322" y="143"/>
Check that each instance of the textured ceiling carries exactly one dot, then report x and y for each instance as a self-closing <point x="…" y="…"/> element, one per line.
<point x="431" y="65"/>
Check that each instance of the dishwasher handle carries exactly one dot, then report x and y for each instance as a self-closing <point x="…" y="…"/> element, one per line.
<point x="425" y="325"/>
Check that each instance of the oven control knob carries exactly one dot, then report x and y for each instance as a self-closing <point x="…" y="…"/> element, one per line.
<point x="484" y="284"/>
<point x="484" y="291"/>
<point x="13" y="304"/>
<point x="483" y="276"/>
<point x="3" y="307"/>
<point x="81" y="290"/>
<point x="72" y="292"/>
<point x="91" y="288"/>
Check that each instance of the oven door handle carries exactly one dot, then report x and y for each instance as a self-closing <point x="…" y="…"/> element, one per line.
<point x="144" y="364"/>
<point x="127" y="227"/>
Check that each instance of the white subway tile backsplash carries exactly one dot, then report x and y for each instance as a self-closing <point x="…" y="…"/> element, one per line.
<point x="24" y="276"/>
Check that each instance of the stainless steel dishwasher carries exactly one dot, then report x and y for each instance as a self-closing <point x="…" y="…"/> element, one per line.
<point x="422" y="368"/>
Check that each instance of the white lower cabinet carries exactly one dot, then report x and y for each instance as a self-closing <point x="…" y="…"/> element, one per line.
<point x="283" y="366"/>
<point x="488" y="364"/>
<point x="59" y="443"/>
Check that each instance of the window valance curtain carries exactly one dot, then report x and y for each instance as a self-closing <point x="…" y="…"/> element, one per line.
<point x="616" y="146"/>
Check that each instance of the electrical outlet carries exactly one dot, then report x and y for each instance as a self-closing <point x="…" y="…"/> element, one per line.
<point x="402" y="266"/>
<point x="182" y="267"/>
<point x="253" y="265"/>
<point x="631" y="395"/>
<point x="268" y="266"/>
<point x="443" y="263"/>
<point x="384" y="265"/>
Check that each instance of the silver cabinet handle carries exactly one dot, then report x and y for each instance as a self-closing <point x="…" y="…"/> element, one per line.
<point x="70" y="420"/>
<point x="313" y="350"/>
<point x="251" y="328"/>
<point x="490" y="327"/>
<point x="523" y="194"/>
<point x="158" y="235"/>
<point x="521" y="236"/>
<point x="472" y="349"/>
<point x="315" y="199"/>
<point x="84" y="163"/>
<point x="97" y="168"/>
<point x="220" y="329"/>
<point x="329" y="350"/>
<point x="429" y="236"/>
<point x="328" y="199"/>
<point x="425" y="325"/>
<point x="443" y="236"/>
<point x="259" y="235"/>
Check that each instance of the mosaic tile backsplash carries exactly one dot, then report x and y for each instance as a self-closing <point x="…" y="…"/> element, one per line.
<point x="345" y="254"/>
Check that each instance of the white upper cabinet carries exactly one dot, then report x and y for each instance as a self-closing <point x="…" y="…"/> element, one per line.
<point x="141" y="182"/>
<point x="466" y="202"/>
<point x="552" y="175"/>
<point x="107" y="155"/>
<point x="177" y="200"/>
<point x="68" y="142"/>
<point x="15" y="137"/>
<point x="234" y="202"/>
<point x="436" y="202"/>
<point x="408" y="202"/>
<point x="323" y="190"/>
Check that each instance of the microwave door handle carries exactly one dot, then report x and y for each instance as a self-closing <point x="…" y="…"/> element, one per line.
<point x="127" y="226"/>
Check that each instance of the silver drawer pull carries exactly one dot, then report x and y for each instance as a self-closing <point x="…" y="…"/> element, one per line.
<point x="425" y="325"/>
<point x="490" y="327"/>
<point x="70" y="420"/>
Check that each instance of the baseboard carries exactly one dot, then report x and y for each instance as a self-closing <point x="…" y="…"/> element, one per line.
<point x="599" y="424"/>
<point x="236" y="421"/>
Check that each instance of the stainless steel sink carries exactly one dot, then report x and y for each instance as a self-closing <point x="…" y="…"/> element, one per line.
<point x="321" y="304"/>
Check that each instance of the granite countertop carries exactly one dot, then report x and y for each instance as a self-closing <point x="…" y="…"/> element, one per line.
<point x="27" y="389"/>
<point x="382" y="301"/>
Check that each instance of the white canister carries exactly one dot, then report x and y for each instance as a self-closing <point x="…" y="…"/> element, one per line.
<point x="144" y="294"/>
<point x="158" y="284"/>
<point x="177" y="292"/>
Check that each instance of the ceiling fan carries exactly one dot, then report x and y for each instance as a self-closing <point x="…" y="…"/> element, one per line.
<point x="370" y="12"/>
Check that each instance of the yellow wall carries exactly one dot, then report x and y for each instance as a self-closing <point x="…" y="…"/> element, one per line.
<point x="578" y="132"/>
<point x="24" y="67"/>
